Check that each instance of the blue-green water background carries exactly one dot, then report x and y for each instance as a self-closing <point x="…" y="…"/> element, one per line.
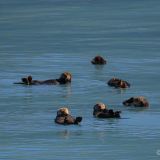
<point x="44" y="38"/>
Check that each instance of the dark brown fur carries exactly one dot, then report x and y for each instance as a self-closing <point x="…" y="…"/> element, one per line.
<point x="98" y="60"/>
<point x="67" y="119"/>
<point x="105" y="113"/>
<point x="136" y="101"/>
<point x="118" y="83"/>
<point x="64" y="79"/>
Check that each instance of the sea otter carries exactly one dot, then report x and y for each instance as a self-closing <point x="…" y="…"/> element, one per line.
<point x="63" y="117"/>
<point x="136" y="101"/>
<point x="63" y="79"/>
<point x="118" y="83"/>
<point x="100" y="111"/>
<point x="98" y="60"/>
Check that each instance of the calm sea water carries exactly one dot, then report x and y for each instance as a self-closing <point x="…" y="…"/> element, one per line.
<point x="44" y="38"/>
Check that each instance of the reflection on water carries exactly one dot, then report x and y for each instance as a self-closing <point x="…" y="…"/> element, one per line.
<point x="99" y="67"/>
<point x="63" y="134"/>
<point x="66" y="91"/>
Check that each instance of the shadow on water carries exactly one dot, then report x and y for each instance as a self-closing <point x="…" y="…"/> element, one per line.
<point x="67" y="90"/>
<point x="66" y="133"/>
<point x="121" y="90"/>
<point x="98" y="123"/>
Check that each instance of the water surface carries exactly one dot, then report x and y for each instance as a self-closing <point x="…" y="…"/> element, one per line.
<point x="46" y="38"/>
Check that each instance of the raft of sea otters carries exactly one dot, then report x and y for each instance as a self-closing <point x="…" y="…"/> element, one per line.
<point x="100" y="110"/>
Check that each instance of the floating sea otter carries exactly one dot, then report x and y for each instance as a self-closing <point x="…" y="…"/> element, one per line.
<point x="100" y="111"/>
<point x="63" y="117"/>
<point x="118" y="83"/>
<point x="98" y="60"/>
<point x="136" y="101"/>
<point x="64" y="79"/>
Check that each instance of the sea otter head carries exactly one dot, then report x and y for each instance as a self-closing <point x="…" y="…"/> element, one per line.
<point x="98" y="60"/>
<point x="140" y="102"/>
<point x="99" y="107"/>
<point x="122" y="84"/>
<point x="65" y="77"/>
<point x="63" y="111"/>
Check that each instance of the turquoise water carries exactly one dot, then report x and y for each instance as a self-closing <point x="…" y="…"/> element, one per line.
<point x="46" y="38"/>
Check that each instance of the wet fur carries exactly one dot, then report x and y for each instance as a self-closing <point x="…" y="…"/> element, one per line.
<point x="118" y="83"/>
<point x="98" y="60"/>
<point x="136" y="101"/>
<point x="64" y="79"/>
<point x="100" y="111"/>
